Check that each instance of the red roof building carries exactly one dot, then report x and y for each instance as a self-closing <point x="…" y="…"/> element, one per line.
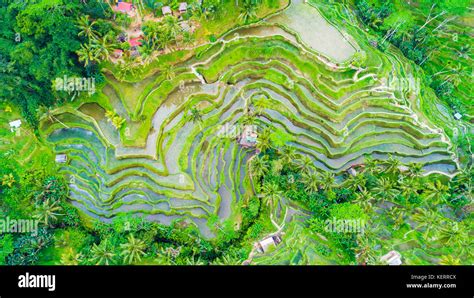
<point x="135" y="42"/>
<point x="124" y="6"/>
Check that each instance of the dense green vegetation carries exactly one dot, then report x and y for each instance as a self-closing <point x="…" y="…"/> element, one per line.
<point x="435" y="36"/>
<point x="155" y="173"/>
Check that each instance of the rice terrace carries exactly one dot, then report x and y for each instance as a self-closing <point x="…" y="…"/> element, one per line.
<point x="227" y="132"/>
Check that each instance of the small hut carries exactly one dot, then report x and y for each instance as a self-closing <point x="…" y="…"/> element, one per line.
<point x="266" y="244"/>
<point x="61" y="158"/>
<point x="14" y="125"/>
<point x="457" y="116"/>
<point x="403" y="168"/>
<point x="249" y="137"/>
<point x="393" y="257"/>
<point x="166" y="10"/>
<point x="351" y="171"/>
<point x="183" y="7"/>
<point x="125" y="7"/>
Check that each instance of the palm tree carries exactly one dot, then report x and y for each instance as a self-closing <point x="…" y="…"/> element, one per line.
<point x="436" y="191"/>
<point x="415" y="169"/>
<point x="248" y="11"/>
<point x="146" y="54"/>
<point x="260" y="105"/>
<point x="428" y="220"/>
<point x="356" y="182"/>
<point x="408" y="186"/>
<point x="385" y="189"/>
<point x="165" y="40"/>
<point x="196" y="116"/>
<point x="8" y="180"/>
<point x="194" y="261"/>
<point x="188" y="38"/>
<point x="133" y="250"/>
<point x="364" y="251"/>
<point x="86" y="28"/>
<point x="71" y="257"/>
<point x="226" y="260"/>
<point x="371" y="166"/>
<point x="305" y="164"/>
<point x="171" y="26"/>
<point x="364" y="200"/>
<point x="454" y="233"/>
<point x="87" y="54"/>
<point x="48" y="211"/>
<point x="465" y="178"/>
<point x="288" y="155"/>
<point x="449" y="260"/>
<point x="392" y="165"/>
<point x="263" y="140"/>
<point x="168" y="71"/>
<point x="457" y="74"/>
<point x="104" y="47"/>
<point x="102" y="254"/>
<point x="397" y="215"/>
<point x="311" y="182"/>
<point x="259" y="166"/>
<point x="272" y="193"/>
<point x="327" y="181"/>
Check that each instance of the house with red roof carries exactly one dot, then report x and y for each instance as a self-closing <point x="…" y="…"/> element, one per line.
<point x="135" y="42"/>
<point x="125" y="7"/>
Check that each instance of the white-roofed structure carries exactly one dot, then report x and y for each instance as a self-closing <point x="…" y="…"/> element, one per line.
<point x="183" y="7"/>
<point x="61" y="158"/>
<point x="15" y="125"/>
<point x="166" y="10"/>
<point x="393" y="257"/>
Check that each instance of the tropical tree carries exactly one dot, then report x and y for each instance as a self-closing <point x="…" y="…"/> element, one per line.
<point x="188" y="38"/>
<point x="87" y="54"/>
<point x="133" y="250"/>
<point x="71" y="257"/>
<point x="305" y="163"/>
<point x="396" y="215"/>
<point x="357" y="182"/>
<point x="102" y="254"/>
<point x="428" y="221"/>
<point x="259" y="166"/>
<point x="86" y="28"/>
<point x="415" y="169"/>
<point x="371" y="166"/>
<point x="48" y="211"/>
<point x="104" y="47"/>
<point x="385" y="189"/>
<point x="171" y="25"/>
<point x="449" y="260"/>
<point x="271" y="193"/>
<point x="195" y="115"/>
<point x="248" y="11"/>
<point x="454" y="233"/>
<point x="392" y="165"/>
<point x="8" y="180"/>
<point x="436" y="191"/>
<point x="168" y="71"/>
<point x="311" y="181"/>
<point x="327" y="181"/>
<point x="288" y="155"/>
<point x="364" y="200"/>
<point x="263" y="140"/>
<point x="365" y="253"/>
